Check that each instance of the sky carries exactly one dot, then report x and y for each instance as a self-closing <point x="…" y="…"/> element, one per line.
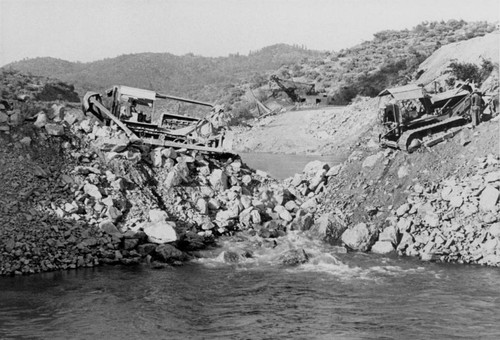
<point x="89" y="30"/>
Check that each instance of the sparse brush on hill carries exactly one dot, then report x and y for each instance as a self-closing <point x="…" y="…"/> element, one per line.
<point x="390" y="59"/>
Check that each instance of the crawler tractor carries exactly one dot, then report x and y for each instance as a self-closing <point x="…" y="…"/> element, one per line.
<point x="138" y="113"/>
<point x="410" y="117"/>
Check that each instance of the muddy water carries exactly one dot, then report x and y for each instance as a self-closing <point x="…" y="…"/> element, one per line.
<point x="281" y="166"/>
<point x="335" y="296"/>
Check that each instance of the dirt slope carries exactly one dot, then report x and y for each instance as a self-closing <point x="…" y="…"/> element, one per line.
<point x="322" y="131"/>
<point x="468" y="51"/>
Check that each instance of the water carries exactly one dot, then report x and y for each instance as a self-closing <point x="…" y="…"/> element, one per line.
<point x="281" y="166"/>
<point x="335" y="296"/>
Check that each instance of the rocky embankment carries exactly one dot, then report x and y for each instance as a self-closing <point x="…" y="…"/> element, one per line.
<point x="77" y="194"/>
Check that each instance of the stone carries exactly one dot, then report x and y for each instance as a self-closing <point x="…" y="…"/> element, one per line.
<point x="313" y="167"/>
<point x="317" y="179"/>
<point x="173" y="178"/>
<point x="156" y="157"/>
<point x="169" y="153"/>
<point x="54" y="129"/>
<point x="456" y="201"/>
<point x="114" y="214"/>
<point x="92" y="190"/>
<point x="231" y="256"/>
<point x="169" y="254"/>
<point x="294" y="257"/>
<point x="219" y="180"/>
<point x="157" y="215"/>
<point x="359" y="237"/>
<point x="303" y="222"/>
<point x="297" y="180"/>
<point x="310" y="204"/>
<point x="109" y="228"/>
<point x="403" y="171"/>
<point x="25" y="141"/>
<point x="160" y="232"/>
<point x="418" y="188"/>
<point x="334" y="171"/>
<point x="72" y="116"/>
<point x="432" y="220"/>
<point x="492" y="177"/>
<point x="370" y="161"/>
<point x="406" y="240"/>
<point x="403" y="209"/>
<point x="202" y="206"/>
<point x="488" y="198"/>
<point x="4" y="118"/>
<point x="255" y="215"/>
<point x="291" y="206"/>
<point x="389" y="234"/>
<point x="494" y="230"/>
<point x="382" y="247"/>
<point x="489" y="218"/>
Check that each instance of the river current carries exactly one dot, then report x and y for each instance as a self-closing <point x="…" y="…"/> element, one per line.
<point x="336" y="295"/>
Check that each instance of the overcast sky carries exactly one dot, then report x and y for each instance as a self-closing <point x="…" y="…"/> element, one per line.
<point x="87" y="30"/>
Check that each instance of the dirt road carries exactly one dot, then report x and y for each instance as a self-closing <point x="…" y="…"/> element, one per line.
<point x="322" y="131"/>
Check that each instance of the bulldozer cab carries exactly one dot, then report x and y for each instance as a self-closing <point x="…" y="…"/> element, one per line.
<point x="132" y="104"/>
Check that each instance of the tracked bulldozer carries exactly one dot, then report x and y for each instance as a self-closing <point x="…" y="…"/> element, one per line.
<point x="139" y="114"/>
<point x="411" y="117"/>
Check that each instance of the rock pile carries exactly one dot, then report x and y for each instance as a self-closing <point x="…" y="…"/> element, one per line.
<point x="456" y="220"/>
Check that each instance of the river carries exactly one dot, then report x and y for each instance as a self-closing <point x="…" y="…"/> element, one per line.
<point x="281" y="166"/>
<point x="336" y="295"/>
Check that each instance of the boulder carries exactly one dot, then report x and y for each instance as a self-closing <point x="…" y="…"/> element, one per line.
<point x="54" y="129"/>
<point x="168" y="253"/>
<point x="488" y="198"/>
<point x="219" y="180"/>
<point x="382" y="247"/>
<point x="403" y="209"/>
<point x="313" y="167"/>
<point x="389" y="234"/>
<point x="294" y="257"/>
<point x="202" y="206"/>
<point x="160" y="232"/>
<point x="92" y="190"/>
<point x="169" y="153"/>
<point x="109" y="228"/>
<point x="231" y="256"/>
<point x="370" y="161"/>
<point x="359" y="237"/>
<point x="156" y="157"/>
<point x="494" y="230"/>
<point x="334" y="171"/>
<point x="157" y="215"/>
<point x="173" y="178"/>
<point x="4" y="118"/>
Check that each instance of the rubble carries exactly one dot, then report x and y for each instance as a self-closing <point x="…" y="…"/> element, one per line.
<point x="451" y="221"/>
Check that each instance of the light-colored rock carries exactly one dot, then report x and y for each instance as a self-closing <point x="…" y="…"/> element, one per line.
<point x="492" y="176"/>
<point x="456" y="201"/>
<point x="157" y="215"/>
<point x="169" y="153"/>
<point x="54" y="129"/>
<point x="432" y="220"/>
<point x="488" y="198"/>
<point x="285" y="215"/>
<point x="389" y="234"/>
<point x="26" y="141"/>
<point x="313" y="167"/>
<point x="160" y="232"/>
<point x="202" y="206"/>
<point x="156" y="157"/>
<point x="403" y="171"/>
<point x="92" y="190"/>
<point x="370" y="161"/>
<point x="403" y="209"/>
<point x="382" y="247"/>
<point x="310" y="205"/>
<point x="219" y="180"/>
<point x="494" y="230"/>
<point x="173" y="178"/>
<point x="256" y="218"/>
<point x="359" y="237"/>
<point x="334" y="171"/>
<point x="110" y="228"/>
<point x="4" y="118"/>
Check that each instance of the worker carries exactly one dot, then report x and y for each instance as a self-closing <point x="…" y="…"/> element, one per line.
<point x="476" y="107"/>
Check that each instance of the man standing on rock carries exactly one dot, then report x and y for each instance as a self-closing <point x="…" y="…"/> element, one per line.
<point x="476" y="107"/>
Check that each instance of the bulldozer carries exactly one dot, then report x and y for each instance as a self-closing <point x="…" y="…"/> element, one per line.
<point x="410" y="116"/>
<point x="139" y="114"/>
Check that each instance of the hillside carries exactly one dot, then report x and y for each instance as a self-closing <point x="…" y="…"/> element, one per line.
<point x="189" y="75"/>
<point x="390" y="58"/>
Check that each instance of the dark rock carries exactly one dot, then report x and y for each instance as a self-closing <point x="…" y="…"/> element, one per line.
<point x="294" y="257"/>
<point x="146" y="248"/>
<point x="169" y="253"/>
